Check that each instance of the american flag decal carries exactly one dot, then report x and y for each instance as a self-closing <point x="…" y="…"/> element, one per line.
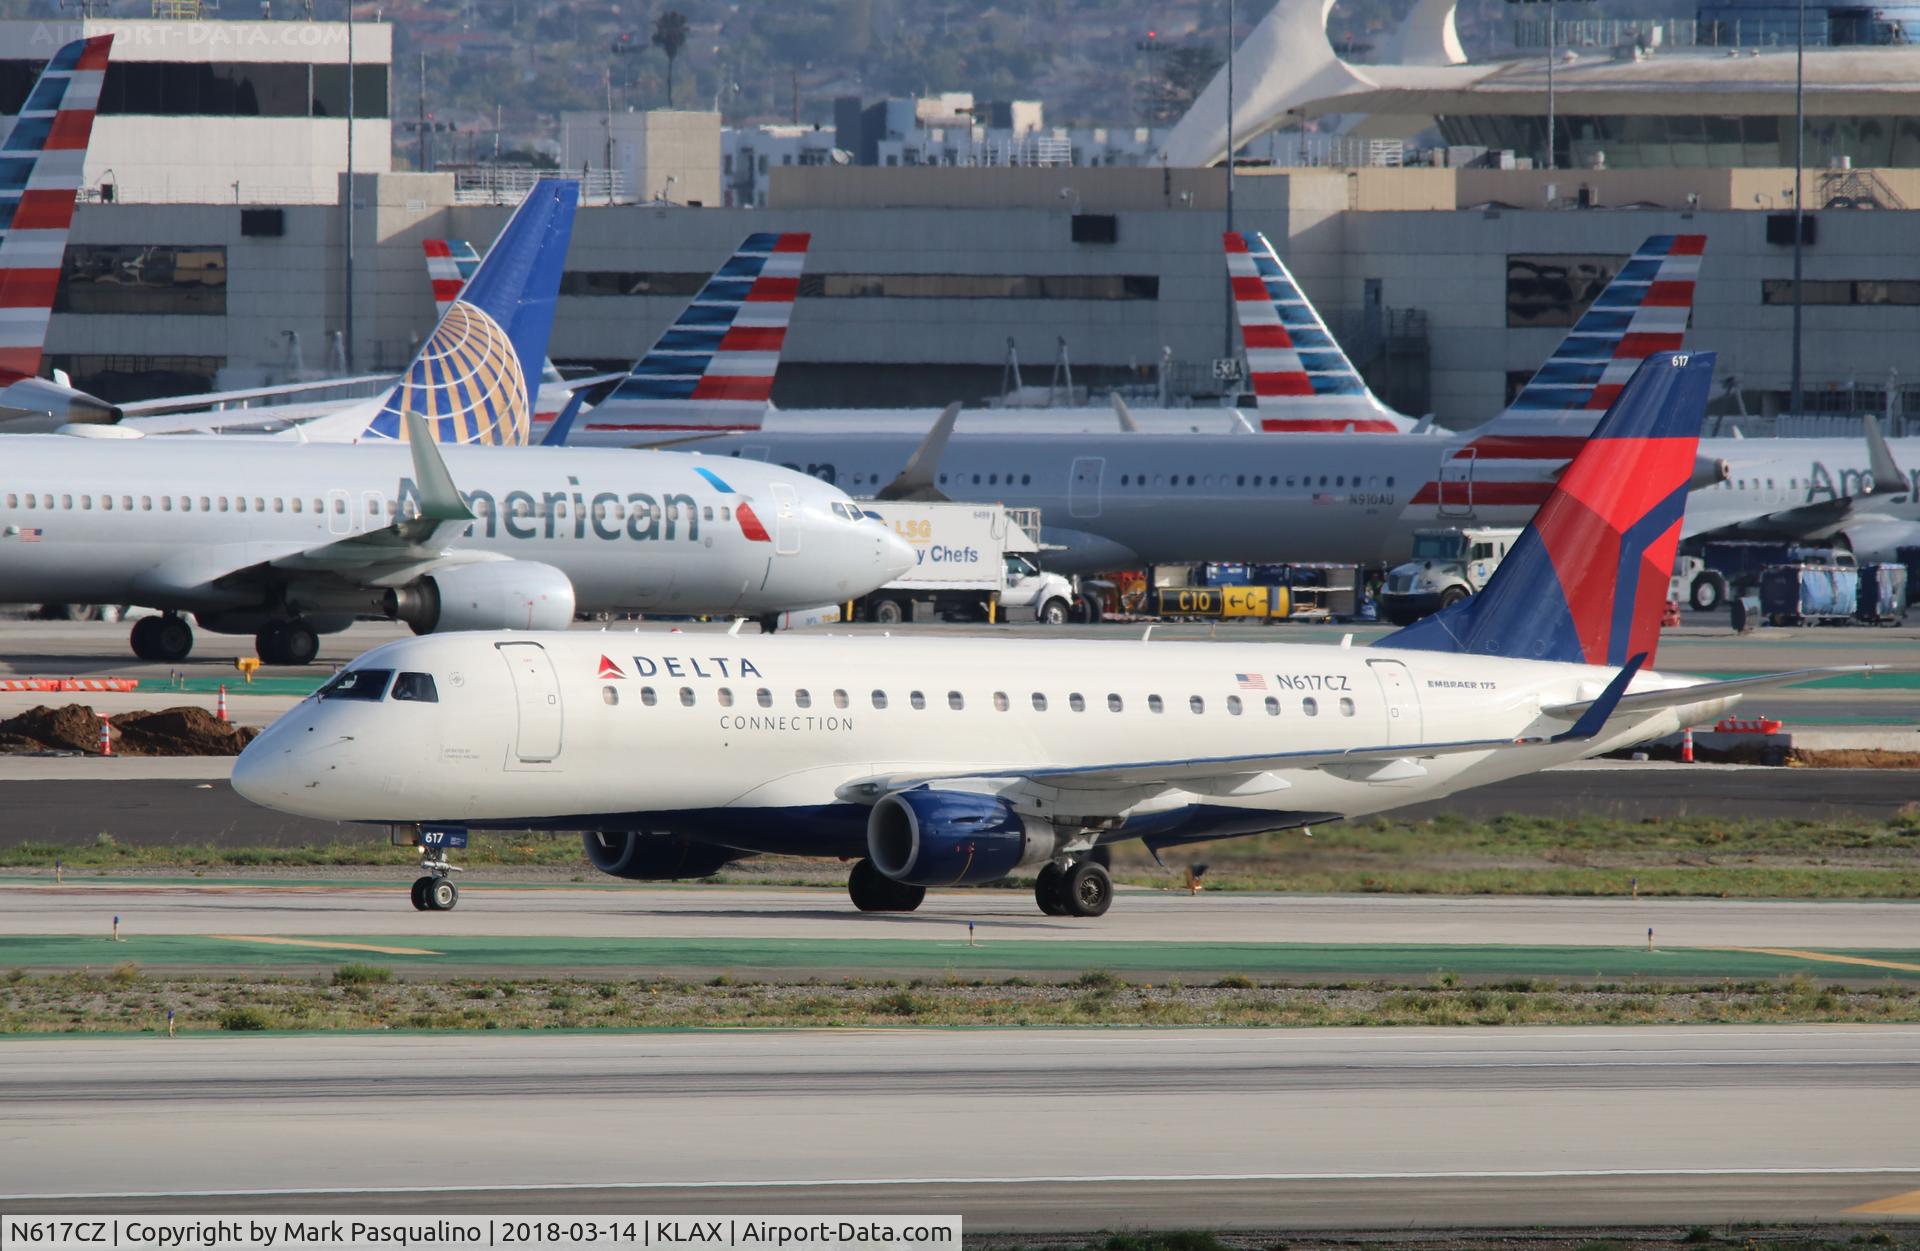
<point x="28" y="534"/>
<point x="1251" y="681"/>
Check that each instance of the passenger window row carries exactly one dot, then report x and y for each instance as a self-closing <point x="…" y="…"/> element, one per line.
<point x="1076" y="702"/>
<point x="1373" y="481"/>
<point x="183" y="503"/>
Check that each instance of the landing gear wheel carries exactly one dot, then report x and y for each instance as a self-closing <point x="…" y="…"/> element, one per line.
<point x="873" y="891"/>
<point x="266" y="643"/>
<point x="299" y="644"/>
<point x="141" y="638"/>
<point x="1089" y="890"/>
<point x="168" y="638"/>
<point x="770" y="623"/>
<point x="442" y="895"/>
<point x="1050" y="890"/>
<point x="420" y="885"/>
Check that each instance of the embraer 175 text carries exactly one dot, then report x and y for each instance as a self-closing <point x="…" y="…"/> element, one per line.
<point x="936" y="762"/>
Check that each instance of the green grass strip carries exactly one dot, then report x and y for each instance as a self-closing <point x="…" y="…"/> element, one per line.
<point x="883" y="955"/>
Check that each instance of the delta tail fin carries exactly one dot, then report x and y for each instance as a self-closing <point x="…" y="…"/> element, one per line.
<point x="1587" y="581"/>
<point x="474" y="379"/>
<point x="41" y="164"/>
<point x="713" y="368"/>
<point x="1302" y="379"/>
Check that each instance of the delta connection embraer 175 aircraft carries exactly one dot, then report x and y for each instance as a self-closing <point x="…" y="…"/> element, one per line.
<point x="944" y="761"/>
<point x="286" y="540"/>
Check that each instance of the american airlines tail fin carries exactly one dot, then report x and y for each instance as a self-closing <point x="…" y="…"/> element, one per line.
<point x="450" y="262"/>
<point x="40" y="170"/>
<point x="1302" y="379"/>
<point x="474" y="378"/>
<point x="713" y="368"/>
<point x="1642" y="312"/>
<point x="1587" y="581"/>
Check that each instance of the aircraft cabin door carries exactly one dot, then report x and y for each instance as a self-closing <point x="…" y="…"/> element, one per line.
<point x="1456" y="483"/>
<point x="1083" y="489"/>
<point x="1402" y="701"/>
<point x="339" y="515"/>
<point x="786" y="520"/>
<point x="536" y="690"/>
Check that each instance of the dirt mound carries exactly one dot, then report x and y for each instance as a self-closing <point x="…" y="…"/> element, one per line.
<point x="1854" y="758"/>
<point x="183" y="731"/>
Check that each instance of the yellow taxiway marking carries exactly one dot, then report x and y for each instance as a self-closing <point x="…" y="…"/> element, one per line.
<point x="1907" y="1204"/>
<point x="1828" y="957"/>
<point x="317" y="942"/>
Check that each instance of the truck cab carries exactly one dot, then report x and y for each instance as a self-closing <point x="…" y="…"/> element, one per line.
<point x="1448" y="565"/>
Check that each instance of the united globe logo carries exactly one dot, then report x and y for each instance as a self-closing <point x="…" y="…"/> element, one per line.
<point x="467" y="383"/>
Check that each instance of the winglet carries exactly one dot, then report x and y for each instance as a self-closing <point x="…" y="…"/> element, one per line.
<point x="1594" y="719"/>
<point x="562" y="426"/>
<point x="1125" y="414"/>
<point x="439" y="499"/>
<point x="1887" y="478"/>
<point x="916" y="480"/>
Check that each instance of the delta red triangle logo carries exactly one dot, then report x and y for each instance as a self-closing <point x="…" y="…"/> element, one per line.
<point x="610" y="670"/>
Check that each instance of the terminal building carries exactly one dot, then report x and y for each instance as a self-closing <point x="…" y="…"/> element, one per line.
<point x="1447" y="282"/>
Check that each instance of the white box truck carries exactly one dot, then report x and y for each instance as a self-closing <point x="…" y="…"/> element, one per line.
<point x="976" y="562"/>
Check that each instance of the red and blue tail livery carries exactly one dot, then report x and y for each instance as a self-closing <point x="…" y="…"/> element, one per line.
<point x="41" y="163"/>
<point x="450" y="262"/>
<point x="713" y="369"/>
<point x="1302" y="380"/>
<point x="1587" y="581"/>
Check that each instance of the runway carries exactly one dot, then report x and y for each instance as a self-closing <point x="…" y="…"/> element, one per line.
<point x="1027" y="1130"/>
<point x="786" y="934"/>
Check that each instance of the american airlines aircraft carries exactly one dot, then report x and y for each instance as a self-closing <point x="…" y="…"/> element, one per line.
<point x="713" y="369"/>
<point x="286" y="540"/>
<point x="1117" y="500"/>
<point x="40" y="169"/>
<point x="936" y="762"/>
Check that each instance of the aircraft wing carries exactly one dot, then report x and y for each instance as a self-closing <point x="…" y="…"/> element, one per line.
<point x="208" y="399"/>
<point x="1700" y="692"/>
<point x="1591" y="720"/>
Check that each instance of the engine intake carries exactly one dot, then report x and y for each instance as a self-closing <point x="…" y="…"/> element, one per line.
<point x="946" y="838"/>
<point x="654" y="857"/>
<point x="495" y="595"/>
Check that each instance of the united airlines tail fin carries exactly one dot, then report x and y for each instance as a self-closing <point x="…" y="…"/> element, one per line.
<point x="1302" y="379"/>
<point x="41" y="161"/>
<point x="713" y="368"/>
<point x="1642" y="312"/>
<point x="1587" y="581"/>
<point x="475" y="376"/>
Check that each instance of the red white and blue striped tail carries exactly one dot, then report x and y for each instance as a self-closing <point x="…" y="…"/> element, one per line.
<point x="450" y="262"/>
<point x="1302" y="380"/>
<point x="1642" y="312"/>
<point x="713" y="368"/>
<point x="41" y="162"/>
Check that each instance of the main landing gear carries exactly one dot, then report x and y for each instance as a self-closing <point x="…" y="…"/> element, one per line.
<point x="288" y="643"/>
<point x="167" y="638"/>
<point x="1081" y="888"/>
<point x="873" y="891"/>
<point x="435" y="891"/>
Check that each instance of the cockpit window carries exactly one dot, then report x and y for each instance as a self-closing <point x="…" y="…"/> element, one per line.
<point x="417" y="687"/>
<point x="367" y="684"/>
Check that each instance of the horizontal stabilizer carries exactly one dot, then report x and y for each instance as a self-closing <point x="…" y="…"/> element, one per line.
<point x="1702" y="692"/>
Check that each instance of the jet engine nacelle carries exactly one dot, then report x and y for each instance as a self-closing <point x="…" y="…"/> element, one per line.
<point x="494" y="595"/>
<point x="932" y="837"/>
<point x="1709" y="471"/>
<point x="37" y="405"/>
<point x="654" y="857"/>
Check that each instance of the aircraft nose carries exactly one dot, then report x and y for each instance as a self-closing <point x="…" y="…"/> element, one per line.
<point x="896" y="554"/>
<point x="260" y="772"/>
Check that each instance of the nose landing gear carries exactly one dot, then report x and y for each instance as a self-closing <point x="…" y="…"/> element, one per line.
<point x="434" y="890"/>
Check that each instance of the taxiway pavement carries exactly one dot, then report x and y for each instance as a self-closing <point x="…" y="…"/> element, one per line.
<point x="1015" y="1130"/>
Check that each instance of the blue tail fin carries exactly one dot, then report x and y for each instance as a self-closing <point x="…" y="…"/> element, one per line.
<point x="474" y="378"/>
<point x="1587" y="582"/>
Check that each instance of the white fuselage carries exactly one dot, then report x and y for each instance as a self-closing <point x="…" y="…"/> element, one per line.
<point x="1113" y="501"/>
<point x="749" y="741"/>
<point x="162" y="521"/>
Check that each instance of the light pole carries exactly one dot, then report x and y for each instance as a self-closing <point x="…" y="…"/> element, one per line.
<point x="347" y="354"/>
<point x="1799" y="159"/>
<point x="1553" y="153"/>
<point x="1232" y="15"/>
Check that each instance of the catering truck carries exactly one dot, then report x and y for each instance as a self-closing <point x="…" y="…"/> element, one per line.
<point x="976" y="562"/>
